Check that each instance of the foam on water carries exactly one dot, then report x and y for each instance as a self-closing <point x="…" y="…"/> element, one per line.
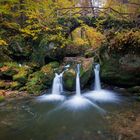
<point x="57" y="89"/>
<point x="77" y="103"/>
<point x="98" y="94"/>
<point x="102" y="96"/>
<point x="51" y="97"/>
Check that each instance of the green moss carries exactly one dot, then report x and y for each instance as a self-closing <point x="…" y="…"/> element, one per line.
<point x="47" y="69"/>
<point x="15" y="85"/>
<point x="2" y="84"/>
<point x="1" y="65"/>
<point x="2" y="98"/>
<point x="85" y="72"/>
<point x="21" y="76"/>
<point x="69" y="79"/>
<point x="9" y="69"/>
<point x="40" y="80"/>
<point x="112" y="73"/>
<point x="54" y="64"/>
<point x="70" y="84"/>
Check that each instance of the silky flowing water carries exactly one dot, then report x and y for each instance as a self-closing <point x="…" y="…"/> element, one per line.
<point x="83" y="116"/>
<point x="33" y="120"/>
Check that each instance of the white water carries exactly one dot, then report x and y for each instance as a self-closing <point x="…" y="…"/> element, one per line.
<point x="78" y="90"/>
<point x="79" y="102"/>
<point x="57" y="87"/>
<point x="97" y="84"/>
<point x="99" y="94"/>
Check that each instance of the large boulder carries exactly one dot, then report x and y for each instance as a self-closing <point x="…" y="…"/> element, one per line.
<point x="22" y="75"/>
<point x="69" y="76"/>
<point x="120" y="59"/>
<point x="122" y="71"/>
<point x="13" y="75"/>
<point x="41" y="80"/>
<point x="8" y="69"/>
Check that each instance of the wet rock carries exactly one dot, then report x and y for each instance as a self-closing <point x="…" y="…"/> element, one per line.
<point x="122" y="71"/>
<point x="8" y="69"/>
<point x="35" y="83"/>
<point x="41" y="80"/>
<point x="2" y="84"/>
<point x="69" y="78"/>
<point x="70" y="75"/>
<point x="14" y="85"/>
<point x="135" y="90"/>
<point x="22" y="74"/>
<point x="2" y="98"/>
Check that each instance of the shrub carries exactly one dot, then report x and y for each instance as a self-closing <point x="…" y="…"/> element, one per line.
<point x="127" y="41"/>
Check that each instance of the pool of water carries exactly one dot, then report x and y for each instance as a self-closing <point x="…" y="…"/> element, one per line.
<point x="31" y="119"/>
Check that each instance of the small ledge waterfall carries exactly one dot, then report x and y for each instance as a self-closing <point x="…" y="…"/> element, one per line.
<point x="57" y="87"/>
<point x="97" y="84"/>
<point x="78" y="90"/>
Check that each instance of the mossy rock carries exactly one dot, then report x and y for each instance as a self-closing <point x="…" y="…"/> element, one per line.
<point x="20" y="48"/>
<point x="86" y="72"/>
<point x="34" y="84"/>
<point x="5" y="53"/>
<point x="5" y="84"/>
<point x="34" y="66"/>
<point x="22" y="75"/>
<point x="41" y="80"/>
<point x="2" y="98"/>
<point x="134" y="90"/>
<point x="48" y="71"/>
<point x="2" y="84"/>
<point x="9" y="72"/>
<point x="69" y="76"/>
<point x="113" y="73"/>
<point x="15" y="85"/>
<point x="8" y="69"/>
<point x="54" y="64"/>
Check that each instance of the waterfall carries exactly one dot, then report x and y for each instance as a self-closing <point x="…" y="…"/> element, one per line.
<point x="99" y="94"/>
<point x="97" y="83"/>
<point x="61" y="82"/>
<point x="57" y="87"/>
<point x="78" y="91"/>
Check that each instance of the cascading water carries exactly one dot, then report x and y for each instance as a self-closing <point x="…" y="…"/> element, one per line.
<point x="78" y="90"/>
<point x="61" y="82"/>
<point x="98" y="94"/>
<point x="97" y="84"/>
<point x="57" y="89"/>
<point x="78" y="102"/>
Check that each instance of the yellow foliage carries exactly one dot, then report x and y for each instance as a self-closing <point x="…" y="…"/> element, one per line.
<point x="86" y="35"/>
<point x="123" y="7"/>
<point x="95" y="37"/>
<point x="2" y="42"/>
<point x="80" y="42"/>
